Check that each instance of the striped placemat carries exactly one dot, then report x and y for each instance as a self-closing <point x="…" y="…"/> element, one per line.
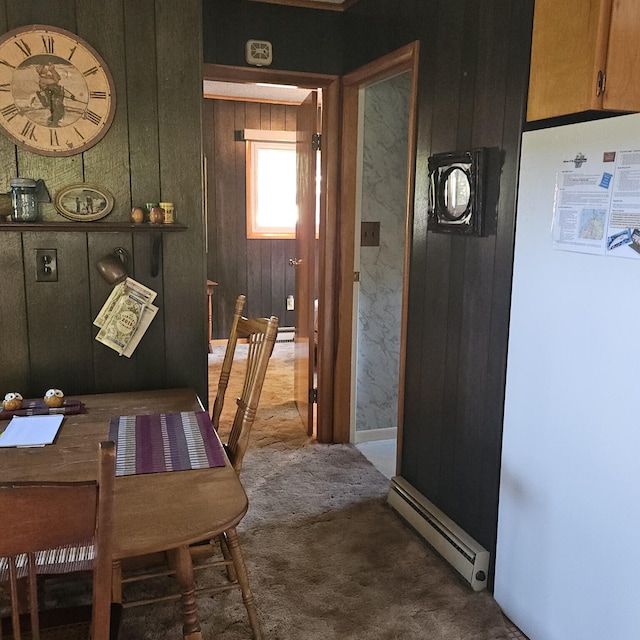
<point x="37" y="407"/>
<point x="66" y="559"/>
<point x="165" y="442"/>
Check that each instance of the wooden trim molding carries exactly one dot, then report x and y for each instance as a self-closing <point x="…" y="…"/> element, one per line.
<point x="390" y="65"/>
<point x="313" y="4"/>
<point x="346" y="232"/>
<point x="329" y="251"/>
<point x="408" y="237"/>
<point x="226" y="73"/>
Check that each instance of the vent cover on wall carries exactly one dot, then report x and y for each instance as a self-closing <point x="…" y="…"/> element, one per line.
<point x="259" y="53"/>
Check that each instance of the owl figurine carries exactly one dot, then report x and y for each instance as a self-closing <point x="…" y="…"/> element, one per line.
<point x="12" y="401"/>
<point x="54" y="398"/>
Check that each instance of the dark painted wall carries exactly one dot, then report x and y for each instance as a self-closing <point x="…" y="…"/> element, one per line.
<point x="302" y="39"/>
<point x="151" y="152"/>
<point x="257" y="268"/>
<point x="473" y="78"/>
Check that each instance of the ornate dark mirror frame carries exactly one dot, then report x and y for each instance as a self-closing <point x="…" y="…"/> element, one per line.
<point x="445" y="214"/>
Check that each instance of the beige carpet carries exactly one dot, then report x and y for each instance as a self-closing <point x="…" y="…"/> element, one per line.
<point x="327" y="558"/>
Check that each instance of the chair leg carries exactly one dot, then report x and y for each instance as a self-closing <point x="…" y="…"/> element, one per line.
<point x="116" y="582"/>
<point x="224" y="547"/>
<point x="184" y="572"/>
<point x="231" y="537"/>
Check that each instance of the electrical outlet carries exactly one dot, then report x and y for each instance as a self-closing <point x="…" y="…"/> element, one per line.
<point x="46" y="265"/>
<point x="370" y="234"/>
<point x="291" y="305"/>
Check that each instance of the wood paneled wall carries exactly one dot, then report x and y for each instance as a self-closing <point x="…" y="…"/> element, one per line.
<point x="257" y="268"/>
<point x="473" y="79"/>
<point x="151" y="152"/>
<point x="302" y="39"/>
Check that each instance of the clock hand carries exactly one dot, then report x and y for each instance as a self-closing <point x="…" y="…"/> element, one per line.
<point x="68" y="94"/>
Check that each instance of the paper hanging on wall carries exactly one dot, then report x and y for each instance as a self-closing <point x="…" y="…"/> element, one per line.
<point x="126" y="316"/>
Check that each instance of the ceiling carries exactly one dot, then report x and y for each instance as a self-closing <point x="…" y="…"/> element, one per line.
<point x="330" y="5"/>
<point x="281" y="94"/>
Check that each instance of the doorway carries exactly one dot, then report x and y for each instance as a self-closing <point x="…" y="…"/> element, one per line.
<point x="379" y="257"/>
<point x="377" y="179"/>
<point x="264" y="254"/>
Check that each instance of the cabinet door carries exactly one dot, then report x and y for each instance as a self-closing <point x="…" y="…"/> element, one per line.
<point x="568" y="51"/>
<point x="622" y="92"/>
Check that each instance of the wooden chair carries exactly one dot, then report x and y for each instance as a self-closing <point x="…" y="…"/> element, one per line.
<point x="227" y="363"/>
<point x="59" y="528"/>
<point x="261" y="336"/>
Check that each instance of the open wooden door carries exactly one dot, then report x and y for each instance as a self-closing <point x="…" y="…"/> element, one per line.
<point x="304" y="261"/>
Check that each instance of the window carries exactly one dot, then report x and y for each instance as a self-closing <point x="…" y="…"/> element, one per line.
<point x="272" y="209"/>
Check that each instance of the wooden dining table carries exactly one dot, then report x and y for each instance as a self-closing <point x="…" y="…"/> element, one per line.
<point x="154" y="512"/>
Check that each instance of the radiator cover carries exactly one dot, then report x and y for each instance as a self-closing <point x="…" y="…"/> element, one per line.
<point x="460" y="550"/>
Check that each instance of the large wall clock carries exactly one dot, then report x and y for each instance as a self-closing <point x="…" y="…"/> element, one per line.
<point x="57" y="97"/>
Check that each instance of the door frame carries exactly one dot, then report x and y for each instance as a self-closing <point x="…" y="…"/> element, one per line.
<point x="329" y="230"/>
<point x="397" y="62"/>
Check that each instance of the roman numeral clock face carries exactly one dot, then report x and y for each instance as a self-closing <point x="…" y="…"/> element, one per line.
<point x="57" y="97"/>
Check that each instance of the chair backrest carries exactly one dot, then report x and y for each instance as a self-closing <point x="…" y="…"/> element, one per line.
<point x="227" y="363"/>
<point x="261" y="334"/>
<point x="41" y="527"/>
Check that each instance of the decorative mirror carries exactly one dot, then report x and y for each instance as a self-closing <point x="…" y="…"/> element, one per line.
<point x="456" y="190"/>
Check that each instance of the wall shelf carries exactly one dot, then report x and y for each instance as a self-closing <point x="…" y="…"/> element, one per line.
<point x="155" y="231"/>
<point x="104" y="227"/>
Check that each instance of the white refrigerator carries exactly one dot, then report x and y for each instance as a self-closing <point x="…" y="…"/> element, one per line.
<point x="568" y="549"/>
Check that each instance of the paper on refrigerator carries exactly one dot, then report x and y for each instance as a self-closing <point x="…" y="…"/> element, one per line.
<point x="597" y="204"/>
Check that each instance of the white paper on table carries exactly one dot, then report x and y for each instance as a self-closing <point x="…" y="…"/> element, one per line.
<point x="31" y="431"/>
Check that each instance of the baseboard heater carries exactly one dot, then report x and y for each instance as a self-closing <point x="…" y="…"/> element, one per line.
<point x="286" y="334"/>
<point x="459" y="549"/>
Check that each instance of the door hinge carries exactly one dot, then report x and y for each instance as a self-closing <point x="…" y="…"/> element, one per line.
<point x="316" y="141"/>
<point x="313" y="396"/>
<point x="601" y="84"/>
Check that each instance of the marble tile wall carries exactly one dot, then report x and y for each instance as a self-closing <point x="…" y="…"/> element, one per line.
<point x="386" y="120"/>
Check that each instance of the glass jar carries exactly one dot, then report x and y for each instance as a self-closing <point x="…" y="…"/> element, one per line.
<point x="24" y="200"/>
<point x="169" y="216"/>
<point x="148" y="207"/>
<point x="156" y="215"/>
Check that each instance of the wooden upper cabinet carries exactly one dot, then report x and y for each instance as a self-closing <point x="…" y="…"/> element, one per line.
<point x="585" y="56"/>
